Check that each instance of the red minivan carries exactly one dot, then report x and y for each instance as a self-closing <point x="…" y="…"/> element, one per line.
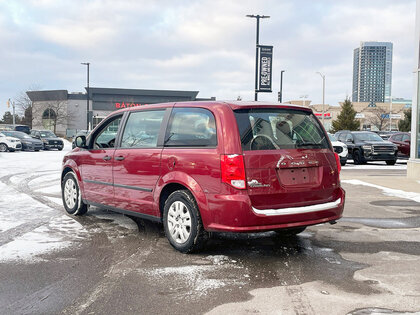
<point x="199" y="167"/>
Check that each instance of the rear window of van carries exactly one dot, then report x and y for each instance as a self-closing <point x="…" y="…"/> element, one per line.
<point x="274" y="129"/>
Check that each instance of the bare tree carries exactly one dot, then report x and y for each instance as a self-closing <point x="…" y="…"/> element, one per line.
<point x="24" y="105"/>
<point x="379" y="117"/>
<point x="55" y="112"/>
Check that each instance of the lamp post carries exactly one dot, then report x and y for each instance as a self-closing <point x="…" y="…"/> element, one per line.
<point x="323" y="95"/>
<point x="257" y="17"/>
<point x="390" y="113"/>
<point x="281" y="86"/>
<point x="87" y="96"/>
<point x="304" y="98"/>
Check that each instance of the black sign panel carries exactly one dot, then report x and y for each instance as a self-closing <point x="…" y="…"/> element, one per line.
<point x="265" y="68"/>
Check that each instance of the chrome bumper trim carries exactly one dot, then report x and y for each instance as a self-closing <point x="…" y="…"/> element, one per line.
<point x="298" y="210"/>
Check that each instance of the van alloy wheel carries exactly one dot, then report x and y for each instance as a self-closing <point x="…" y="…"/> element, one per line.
<point x="179" y="222"/>
<point x="182" y="222"/>
<point x="70" y="193"/>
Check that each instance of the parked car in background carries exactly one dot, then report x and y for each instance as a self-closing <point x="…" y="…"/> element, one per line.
<point x="10" y="127"/>
<point x="9" y="143"/>
<point x="402" y="140"/>
<point x="79" y="133"/>
<point x="28" y="143"/>
<point x="49" y="139"/>
<point x="384" y="134"/>
<point x="199" y="167"/>
<point x="367" y="146"/>
<point x="340" y="148"/>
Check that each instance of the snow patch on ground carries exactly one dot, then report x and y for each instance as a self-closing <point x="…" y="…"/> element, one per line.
<point x="193" y="276"/>
<point x="57" y="234"/>
<point x="387" y="191"/>
<point x="197" y="280"/>
<point x="8" y="224"/>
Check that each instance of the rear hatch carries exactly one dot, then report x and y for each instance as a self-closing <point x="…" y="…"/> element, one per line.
<point x="288" y="159"/>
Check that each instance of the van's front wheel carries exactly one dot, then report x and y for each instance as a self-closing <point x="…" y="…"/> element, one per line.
<point x="72" y="198"/>
<point x="182" y="222"/>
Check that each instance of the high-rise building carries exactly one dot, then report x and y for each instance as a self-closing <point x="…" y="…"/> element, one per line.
<point x="372" y="72"/>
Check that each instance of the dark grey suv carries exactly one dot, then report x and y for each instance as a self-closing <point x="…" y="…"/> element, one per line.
<point x="367" y="146"/>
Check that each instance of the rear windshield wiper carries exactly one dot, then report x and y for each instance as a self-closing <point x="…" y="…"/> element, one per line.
<point x="309" y="144"/>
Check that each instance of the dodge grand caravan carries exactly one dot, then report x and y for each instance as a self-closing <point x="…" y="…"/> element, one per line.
<point x="200" y="167"/>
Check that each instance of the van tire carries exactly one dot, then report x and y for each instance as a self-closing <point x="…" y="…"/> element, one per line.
<point x="72" y="188"/>
<point x="181" y="219"/>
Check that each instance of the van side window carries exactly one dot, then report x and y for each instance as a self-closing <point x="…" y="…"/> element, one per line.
<point x="106" y="136"/>
<point x="142" y="129"/>
<point x="194" y="127"/>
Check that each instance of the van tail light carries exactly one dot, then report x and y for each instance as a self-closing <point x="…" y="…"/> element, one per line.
<point x="337" y="160"/>
<point x="233" y="170"/>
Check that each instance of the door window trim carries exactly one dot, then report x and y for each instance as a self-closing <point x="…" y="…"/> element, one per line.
<point x="103" y="124"/>
<point x="161" y="134"/>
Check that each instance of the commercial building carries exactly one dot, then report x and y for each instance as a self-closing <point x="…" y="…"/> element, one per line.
<point x="372" y="116"/>
<point x="66" y="113"/>
<point x="372" y="72"/>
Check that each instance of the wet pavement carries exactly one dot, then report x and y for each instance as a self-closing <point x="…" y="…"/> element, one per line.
<point x="108" y="263"/>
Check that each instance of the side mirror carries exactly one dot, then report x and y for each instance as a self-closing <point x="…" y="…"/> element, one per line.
<point x="408" y="140"/>
<point x="349" y="140"/>
<point x="80" y="142"/>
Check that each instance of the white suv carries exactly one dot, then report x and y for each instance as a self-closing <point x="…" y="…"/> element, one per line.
<point x="9" y="143"/>
<point x="340" y="148"/>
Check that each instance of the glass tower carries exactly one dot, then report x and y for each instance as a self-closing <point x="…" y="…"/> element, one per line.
<point x="372" y="72"/>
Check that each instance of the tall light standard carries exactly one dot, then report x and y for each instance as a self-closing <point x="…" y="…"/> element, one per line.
<point x="87" y="96"/>
<point x="281" y="86"/>
<point x="390" y="113"/>
<point x="323" y="95"/>
<point x="304" y="98"/>
<point x="258" y="17"/>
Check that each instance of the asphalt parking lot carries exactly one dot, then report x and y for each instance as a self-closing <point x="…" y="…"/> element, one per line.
<point x="107" y="263"/>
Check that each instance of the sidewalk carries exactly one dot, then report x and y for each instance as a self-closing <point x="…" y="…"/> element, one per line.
<point x="394" y="182"/>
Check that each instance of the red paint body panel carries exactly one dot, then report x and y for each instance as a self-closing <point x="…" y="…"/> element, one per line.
<point x="140" y="168"/>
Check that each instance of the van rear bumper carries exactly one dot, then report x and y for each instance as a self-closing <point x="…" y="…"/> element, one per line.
<point x="234" y="213"/>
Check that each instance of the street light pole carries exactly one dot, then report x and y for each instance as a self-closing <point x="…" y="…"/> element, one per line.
<point x="323" y="95"/>
<point x="281" y="86"/>
<point x="258" y="17"/>
<point x="390" y="113"/>
<point x="87" y="96"/>
<point x="304" y="99"/>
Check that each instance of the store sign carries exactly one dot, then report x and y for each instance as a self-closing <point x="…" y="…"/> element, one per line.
<point x="393" y="116"/>
<point x="359" y="115"/>
<point x="126" y="105"/>
<point x="265" y="68"/>
<point x="326" y="115"/>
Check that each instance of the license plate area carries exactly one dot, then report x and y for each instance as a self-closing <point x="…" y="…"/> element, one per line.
<point x="299" y="176"/>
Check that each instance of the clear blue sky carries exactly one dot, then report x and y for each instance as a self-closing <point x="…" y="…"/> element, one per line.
<point x="204" y="45"/>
